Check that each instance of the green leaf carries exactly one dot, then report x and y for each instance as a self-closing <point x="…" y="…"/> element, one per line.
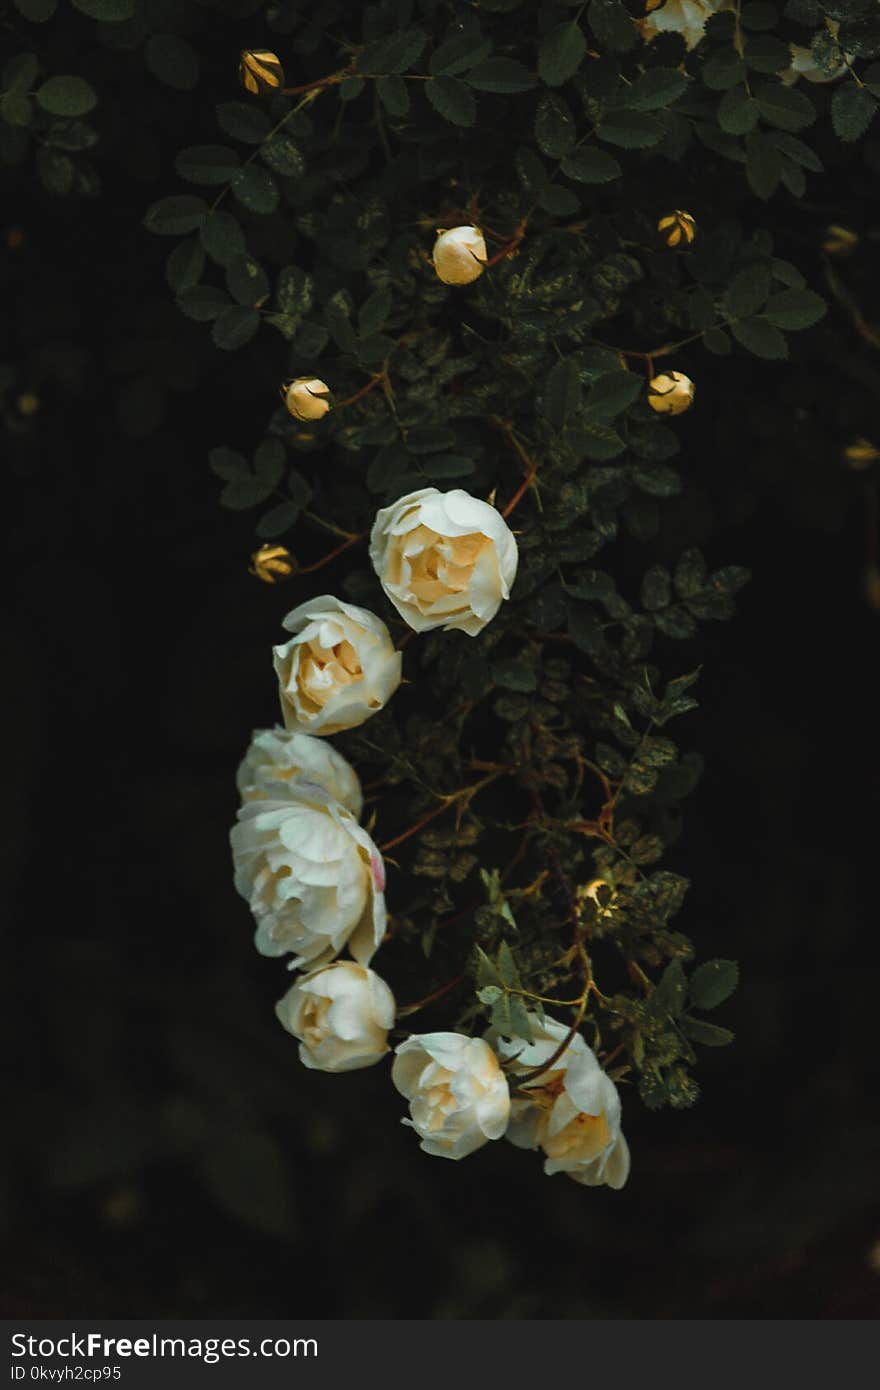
<point x="763" y="165"/>
<point x="562" y="393"/>
<point x="38" y="11"/>
<point x="184" y="266"/>
<point x="765" y="53"/>
<point x="56" y="172"/>
<point x="738" y="112"/>
<point x="747" y="292"/>
<point x="350" y="88"/>
<point x="393" y="94"/>
<point x="227" y="464"/>
<point x="515" y="675"/>
<point x="255" y="189"/>
<point x="452" y="100"/>
<point x="16" y="109"/>
<point x="243" y="121"/>
<point x="613" y="25"/>
<point x="270" y="461"/>
<point x="235" y="327"/>
<point x="278" y="520"/>
<point x="614" y="393"/>
<point x="785" y="107"/>
<point x="761" y="338"/>
<point x="283" y="156"/>
<point x="712" y="983"/>
<point x="507" y="971"/>
<point x="852" y="111"/>
<point x="669" y="993"/>
<point x="591" y="440"/>
<point x="176" y="216"/>
<point x="207" y="164"/>
<point x="222" y="237"/>
<point x="709" y="1034"/>
<point x="173" y="61"/>
<point x="558" y="201"/>
<point x="458" y="53"/>
<point x="67" y="96"/>
<point x="295" y="291"/>
<point x="795" y="309"/>
<point x="501" y="75"/>
<point x="203" y="303"/>
<point x="107" y="11"/>
<point x="659" y="87"/>
<point x="795" y="149"/>
<point x="591" y="166"/>
<point x="561" y="53"/>
<point x="396" y="53"/>
<point x="555" y="129"/>
<point x="631" y="130"/>
<point x="374" y="312"/>
<point x="448" y="466"/>
<point x="247" y="281"/>
<point x="724" y="69"/>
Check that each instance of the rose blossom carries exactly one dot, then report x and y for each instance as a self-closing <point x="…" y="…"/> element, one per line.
<point x="341" y="1015"/>
<point x="459" y="255"/>
<point x="457" y="1092"/>
<point x="575" y="1114"/>
<point x="445" y="559"/>
<point x="312" y="876"/>
<point x="277" y="759"/>
<point x="339" y="667"/>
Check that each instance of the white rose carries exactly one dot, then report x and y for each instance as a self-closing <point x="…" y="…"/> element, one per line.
<point x="306" y="397"/>
<point x="459" y="255"/>
<point x="338" y="669"/>
<point x="445" y="559"/>
<point x="341" y="1016"/>
<point x="685" y="17"/>
<point x="277" y="759"/>
<point x="458" y="1095"/>
<point x="312" y="876"/>
<point x="804" y="65"/>
<point x="575" y="1114"/>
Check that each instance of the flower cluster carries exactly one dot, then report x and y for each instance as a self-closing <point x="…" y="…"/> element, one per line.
<point x="315" y="880"/>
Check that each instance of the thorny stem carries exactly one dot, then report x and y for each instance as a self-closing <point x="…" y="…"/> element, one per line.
<point x="465" y="794"/>
<point x="429" y="998"/>
<point x="529" y="466"/>
<point x="371" y="384"/>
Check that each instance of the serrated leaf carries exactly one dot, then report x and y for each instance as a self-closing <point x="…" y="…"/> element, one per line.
<point x="591" y="166"/>
<point x="207" y="164"/>
<point x="738" y="112"/>
<point x="283" y="156"/>
<point x="173" y="61"/>
<point x="503" y="75"/>
<point x="795" y="309"/>
<point x="613" y="393"/>
<point x="747" y="292"/>
<point x="708" y="1034"/>
<point x="397" y="53"/>
<point x="203" y="303"/>
<point x="184" y="266"/>
<point x="235" y="327"/>
<point x="66" y="96"/>
<point x="761" y="338"/>
<point x="452" y="100"/>
<point x="277" y="520"/>
<point x="785" y="107"/>
<point x="243" y="121"/>
<point x="393" y="94"/>
<point x="562" y="392"/>
<point x="247" y="281"/>
<point x="374" y="312"/>
<point x="176" y="216"/>
<point x="630" y="130"/>
<point x="515" y="675"/>
<point x="669" y="993"/>
<point x="107" y="11"/>
<point x="712" y="983"/>
<point x="657" y="88"/>
<point x="561" y="53"/>
<point x="255" y="189"/>
<point x="763" y="165"/>
<point x="555" y="129"/>
<point x="458" y="53"/>
<point x="222" y="237"/>
<point x="853" y="108"/>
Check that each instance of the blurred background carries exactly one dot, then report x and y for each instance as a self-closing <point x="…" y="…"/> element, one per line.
<point x="165" y="1153"/>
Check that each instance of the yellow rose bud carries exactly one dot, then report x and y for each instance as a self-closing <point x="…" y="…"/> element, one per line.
<point x="679" y="228"/>
<point x="260" y="71"/>
<point x="839" y="241"/>
<point x="861" y="453"/>
<point x="306" y="397"/>
<point x="272" y="562"/>
<point x="459" y="255"/>
<point x="671" y="393"/>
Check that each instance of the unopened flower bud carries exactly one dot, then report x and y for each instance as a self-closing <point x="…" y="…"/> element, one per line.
<point x="459" y="255"/>
<point x="272" y="562"/>
<point x="306" y="397"/>
<point x="260" y="71"/>
<point x="839" y="241"/>
<point x="671" y="393"/>
<point x="861" y="454"/>
<point x="678" y="227"/>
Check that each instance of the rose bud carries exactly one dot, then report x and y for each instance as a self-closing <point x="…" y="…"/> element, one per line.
<point x="341" y="1016"/>
<point x="260" y="71"/>
<point x="458" y="1095"/>
<point x="459" y="255"/>
<point x="445" y="559"/>
<point x="679" y="228"/>
<point x="338" y="669"/>
<point x="671" y="393"/>
<point x="278" y="760"/>
<point x="272" y="562"/>
<point x="306" y="397"/>
<point x="313" y="878"/>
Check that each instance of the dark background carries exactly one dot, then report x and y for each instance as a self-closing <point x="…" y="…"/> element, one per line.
<point x="166" y="1154"/>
